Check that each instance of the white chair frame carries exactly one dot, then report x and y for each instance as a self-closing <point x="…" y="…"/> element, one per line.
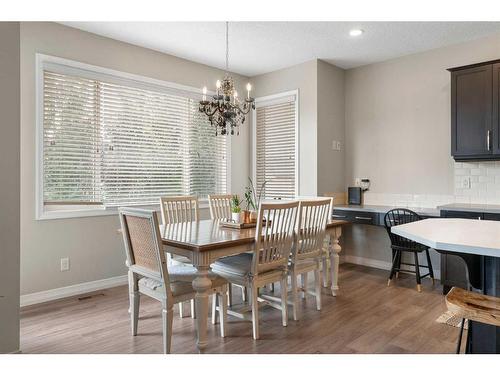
<point x="273" y="244"/>
<point x="180" y="209"/>
<point x="307" y="253"/>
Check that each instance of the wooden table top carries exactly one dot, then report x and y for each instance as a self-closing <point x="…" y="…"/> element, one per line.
<point x="206" y="235"/>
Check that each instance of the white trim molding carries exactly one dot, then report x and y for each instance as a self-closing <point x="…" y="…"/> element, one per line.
<point x="65" y="66"/>
<point x="72" y="290"/>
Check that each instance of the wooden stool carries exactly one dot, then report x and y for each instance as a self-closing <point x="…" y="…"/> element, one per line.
<point x="473" y="306"/>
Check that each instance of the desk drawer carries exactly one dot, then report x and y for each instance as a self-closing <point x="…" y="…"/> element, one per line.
<point x="360" y="217"/>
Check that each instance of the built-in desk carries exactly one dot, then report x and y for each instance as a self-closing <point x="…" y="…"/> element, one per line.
<point x="374" y="214"/>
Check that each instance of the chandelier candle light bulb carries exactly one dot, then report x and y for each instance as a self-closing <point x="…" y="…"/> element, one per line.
<point x="205" y="93"/>
<point x="249" y="88"/>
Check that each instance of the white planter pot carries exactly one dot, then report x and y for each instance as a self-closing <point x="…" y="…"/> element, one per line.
<point x="236" y="216"/>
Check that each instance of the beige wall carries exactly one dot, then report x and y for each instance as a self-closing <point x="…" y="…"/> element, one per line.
<point x="304" y="78"/>
<point x="9" y="188"/>
<point x="331" y="126"/>
<point x="92" y="244"/>
<point x="398" y="119"/>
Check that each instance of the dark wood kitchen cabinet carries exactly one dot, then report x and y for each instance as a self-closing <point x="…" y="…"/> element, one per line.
<point x="475" y="98"/>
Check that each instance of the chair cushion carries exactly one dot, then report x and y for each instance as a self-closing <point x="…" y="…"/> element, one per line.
<point x="239" y="265"/>
<point x="158" y="289"/>
<point x="181" y="278"/>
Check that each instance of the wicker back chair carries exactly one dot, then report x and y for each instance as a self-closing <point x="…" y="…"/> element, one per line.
<point x="149" y="275"/>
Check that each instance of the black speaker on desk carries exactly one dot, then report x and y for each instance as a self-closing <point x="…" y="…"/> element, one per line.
<point x="354" y="195"/>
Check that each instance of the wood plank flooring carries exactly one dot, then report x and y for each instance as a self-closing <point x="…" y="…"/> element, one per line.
<point x="366" y="317"/>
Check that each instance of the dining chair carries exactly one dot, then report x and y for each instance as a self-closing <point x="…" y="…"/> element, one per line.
<point x="400" y="244"/>
<point x="327" y="257"/>
<point x="220" y="208"/>
<point x="268" y="262"/>
<point x="180" y="209"/>
<point x="149" y="274"/>
<point x="307" y="253"/>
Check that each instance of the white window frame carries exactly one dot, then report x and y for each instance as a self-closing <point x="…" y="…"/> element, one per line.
<point x="269" y="99"/>
<point x="110" y="75"/>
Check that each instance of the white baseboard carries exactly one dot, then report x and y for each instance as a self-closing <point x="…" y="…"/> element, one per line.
<point x="380" y="264"/>
<point x="72" y="290"/>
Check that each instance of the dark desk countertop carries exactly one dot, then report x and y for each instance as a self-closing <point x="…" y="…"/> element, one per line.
<point x="425" y="211"/>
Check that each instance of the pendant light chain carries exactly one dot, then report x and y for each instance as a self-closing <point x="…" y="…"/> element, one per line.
<point x="227" y="47"/>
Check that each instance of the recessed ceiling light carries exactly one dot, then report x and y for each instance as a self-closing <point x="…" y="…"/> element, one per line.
<point x="356" y="32"/>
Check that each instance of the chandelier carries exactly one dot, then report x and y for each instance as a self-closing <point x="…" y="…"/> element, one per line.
<point x="225" y="110"/>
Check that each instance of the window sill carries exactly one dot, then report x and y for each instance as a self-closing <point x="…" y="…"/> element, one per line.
<point x="94" y="212"/>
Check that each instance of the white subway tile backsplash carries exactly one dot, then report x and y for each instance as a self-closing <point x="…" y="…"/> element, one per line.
<point x="484" y="178"/>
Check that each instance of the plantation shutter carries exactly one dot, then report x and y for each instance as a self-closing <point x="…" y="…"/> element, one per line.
<point x="276" y="147"/>
<point x="117" y="144"/>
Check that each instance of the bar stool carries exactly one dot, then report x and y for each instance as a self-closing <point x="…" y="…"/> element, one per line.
<point x="473" y="306"/>
<point x="400" y="244"/>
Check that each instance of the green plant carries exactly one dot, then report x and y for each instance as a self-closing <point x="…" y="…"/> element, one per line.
<point x="235" y="204"/>
<point x="251" y="196"/>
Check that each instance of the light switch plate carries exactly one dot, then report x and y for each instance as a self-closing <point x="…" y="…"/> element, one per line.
<point x="64" y="264"/>
<point x="336" y="145"/>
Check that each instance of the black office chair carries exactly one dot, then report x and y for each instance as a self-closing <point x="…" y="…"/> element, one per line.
<point x="400" y="244"/>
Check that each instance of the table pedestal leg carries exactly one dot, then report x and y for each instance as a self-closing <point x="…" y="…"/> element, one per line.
<point x="335" y="259"/>
<point x="202" y="284"/>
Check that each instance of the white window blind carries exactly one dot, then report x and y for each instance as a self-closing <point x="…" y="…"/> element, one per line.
<point x="276" y="148"/>
<point x="116" y="144"/>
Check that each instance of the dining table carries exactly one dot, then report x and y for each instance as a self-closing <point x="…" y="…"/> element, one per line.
<point x="477" y="242"/>
<point x="205" y="241"/>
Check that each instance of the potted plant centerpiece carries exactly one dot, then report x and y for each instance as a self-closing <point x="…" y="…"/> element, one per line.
<point x="235" y="209"/>
<point x="253" y="198"/>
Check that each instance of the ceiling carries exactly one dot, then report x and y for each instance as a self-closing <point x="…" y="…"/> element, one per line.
<point x="261" y="47"/>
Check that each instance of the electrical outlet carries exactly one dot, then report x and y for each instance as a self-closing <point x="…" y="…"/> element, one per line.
<point x="466" y="184"/>
<point x="64" y="264"/>
<point x="357" y="181"/>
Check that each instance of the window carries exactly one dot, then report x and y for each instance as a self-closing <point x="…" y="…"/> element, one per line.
<point x="110" y="141"/>
<point x="276" y="150"/>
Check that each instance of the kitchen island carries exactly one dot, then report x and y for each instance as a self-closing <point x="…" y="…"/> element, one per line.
<point x="466" y="238"/>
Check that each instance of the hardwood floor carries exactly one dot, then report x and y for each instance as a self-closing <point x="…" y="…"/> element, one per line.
<point x="366" y="317"/>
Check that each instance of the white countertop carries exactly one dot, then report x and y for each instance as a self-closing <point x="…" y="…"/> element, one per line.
<point x="480" y="237"/>
<point x="470" y="207"/>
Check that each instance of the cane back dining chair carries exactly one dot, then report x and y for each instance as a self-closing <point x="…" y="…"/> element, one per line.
<point x="400" y="244"/>
<point x="220" y="208"/>
<point x="307" y="254"/>
<point x="180" y="209"/>
<point x="148" y="273"/>
<point x="268" y="263"/>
